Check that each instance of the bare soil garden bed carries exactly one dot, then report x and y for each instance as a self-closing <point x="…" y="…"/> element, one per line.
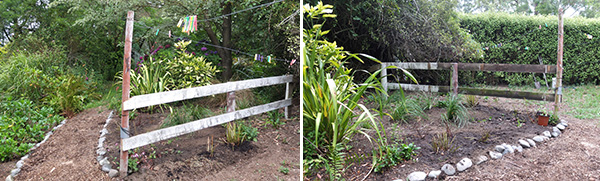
<point x="273" y="156"/>
<point x="493" y="121"/>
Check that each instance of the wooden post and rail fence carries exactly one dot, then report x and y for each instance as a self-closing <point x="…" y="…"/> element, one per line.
<point x="454" y="67"/>
<point x="129" y="141"/>
<point x="455" y="89"/>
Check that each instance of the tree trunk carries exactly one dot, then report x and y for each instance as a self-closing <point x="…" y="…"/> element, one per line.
<point x="226" y="59"/>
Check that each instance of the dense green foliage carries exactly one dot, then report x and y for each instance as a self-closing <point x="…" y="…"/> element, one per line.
<point x="44" y="78"/>
<point x="22" y="124"/>
<point x="403" y="30"/>
<point x="526" y="38"/>
<point x="332" y="114"/>
<point x="396" y="154"/>
<point x="586" y="8"/>
<point x="187" y="70"/>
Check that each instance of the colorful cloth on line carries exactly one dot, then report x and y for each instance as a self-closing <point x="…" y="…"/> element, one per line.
<point x="188" y="24"/>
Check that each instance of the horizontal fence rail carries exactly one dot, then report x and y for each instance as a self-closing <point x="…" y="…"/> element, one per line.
<point x="477" y="91"/>
<point x="196" y="92"/>
<point x="174" y="131"/>
<point x="549" y="69"/>
<point x="455" y="89"/>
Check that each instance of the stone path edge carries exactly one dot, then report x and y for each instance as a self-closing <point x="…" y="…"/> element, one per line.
<point x="19" y="164"/>
<point x="500" y="150"/>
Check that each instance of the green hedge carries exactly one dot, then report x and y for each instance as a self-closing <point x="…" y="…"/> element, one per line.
<point x="523" y="41"/>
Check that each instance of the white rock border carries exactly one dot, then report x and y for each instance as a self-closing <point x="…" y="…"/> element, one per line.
<point x="101" y="151"/>
<point x="556" y="131"/>
<point x="19" y="164"/>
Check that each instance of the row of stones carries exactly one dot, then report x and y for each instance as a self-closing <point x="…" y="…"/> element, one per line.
<point x="15" y="172"/>
<point x="101" y="151"/>
<point x="498" y="152"/>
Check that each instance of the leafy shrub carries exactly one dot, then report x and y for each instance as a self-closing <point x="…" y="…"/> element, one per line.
<point x="395" y="154"/>
<point x="44" y="78"/>
<point x="275" y="119"/>
<point x="187" y="70"/>
<point x="22" y="124"/>
<point x="30" y="75"/>
<point x="71" y="94"/>
<point x="250" y="133"/>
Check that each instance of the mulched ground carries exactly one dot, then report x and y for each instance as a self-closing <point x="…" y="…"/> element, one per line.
<point x="186" y="157"/>
<point x="70" y="153"/>
<point x="566" y="154"/>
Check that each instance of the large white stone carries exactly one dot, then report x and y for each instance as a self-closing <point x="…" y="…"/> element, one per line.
<point x="560" y="126"/>
<point x="499" y="148"/>
<point x="507" y="149"/>
<point x="555" y="132"/>
<point x="524" y="143"/>
<point x="448" y="169"/>
<point x="564" y="122"/>
<point x="538" y="139"/>
<point x="434" y="174"/>
<point x="547" y="134"/>
<point x="113" y="173"/>
<point x="481" y="159"/>
<point x="463" y="164"/>
<point x="518" y="148"/>
<point x="531" y="142"/>
<point x="417" y="176"/>
<point x="495" y="155"/>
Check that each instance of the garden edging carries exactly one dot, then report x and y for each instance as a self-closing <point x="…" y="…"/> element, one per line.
<point x="19" y="164"/>
<point x="101" y="151"/>
<point x="497" y="153"/>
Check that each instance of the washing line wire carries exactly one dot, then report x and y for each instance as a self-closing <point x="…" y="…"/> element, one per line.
<point x="217" y="46"/>
<point x="243" y="10"/>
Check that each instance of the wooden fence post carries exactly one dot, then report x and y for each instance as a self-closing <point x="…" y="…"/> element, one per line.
<point x="384" y="81"/>
<point x="287" y="95"/>
<point x="125" y="92"/>
<point x="559" y="63"/>
<point x="454" y="81"/>
<point x="231" y="101"/>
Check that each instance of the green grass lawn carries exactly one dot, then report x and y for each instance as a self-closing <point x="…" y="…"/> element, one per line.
<point x="584" y="101"/>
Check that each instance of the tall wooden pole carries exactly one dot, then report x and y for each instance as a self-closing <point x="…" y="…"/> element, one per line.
<point x="454" y="82"/>
<point x="559" y="63"/>
<point x="125" y="94"/>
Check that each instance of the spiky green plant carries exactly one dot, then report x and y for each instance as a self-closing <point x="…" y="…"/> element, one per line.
<point x="330" y="97"/>
<point x="455" y="111"/>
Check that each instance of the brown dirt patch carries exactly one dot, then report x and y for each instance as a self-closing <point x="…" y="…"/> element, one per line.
<point x="186" y="157"/>
<point x="6" y="167"/>
<point x="572" y="156"/>
<point x="498" y="117"/>
<point x="69" y="154"/>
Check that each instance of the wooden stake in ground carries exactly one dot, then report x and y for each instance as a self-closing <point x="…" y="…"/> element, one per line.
<point x="559" y="62"/>
<point x="454" y="82"/>
<point x="125" y="93"/>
